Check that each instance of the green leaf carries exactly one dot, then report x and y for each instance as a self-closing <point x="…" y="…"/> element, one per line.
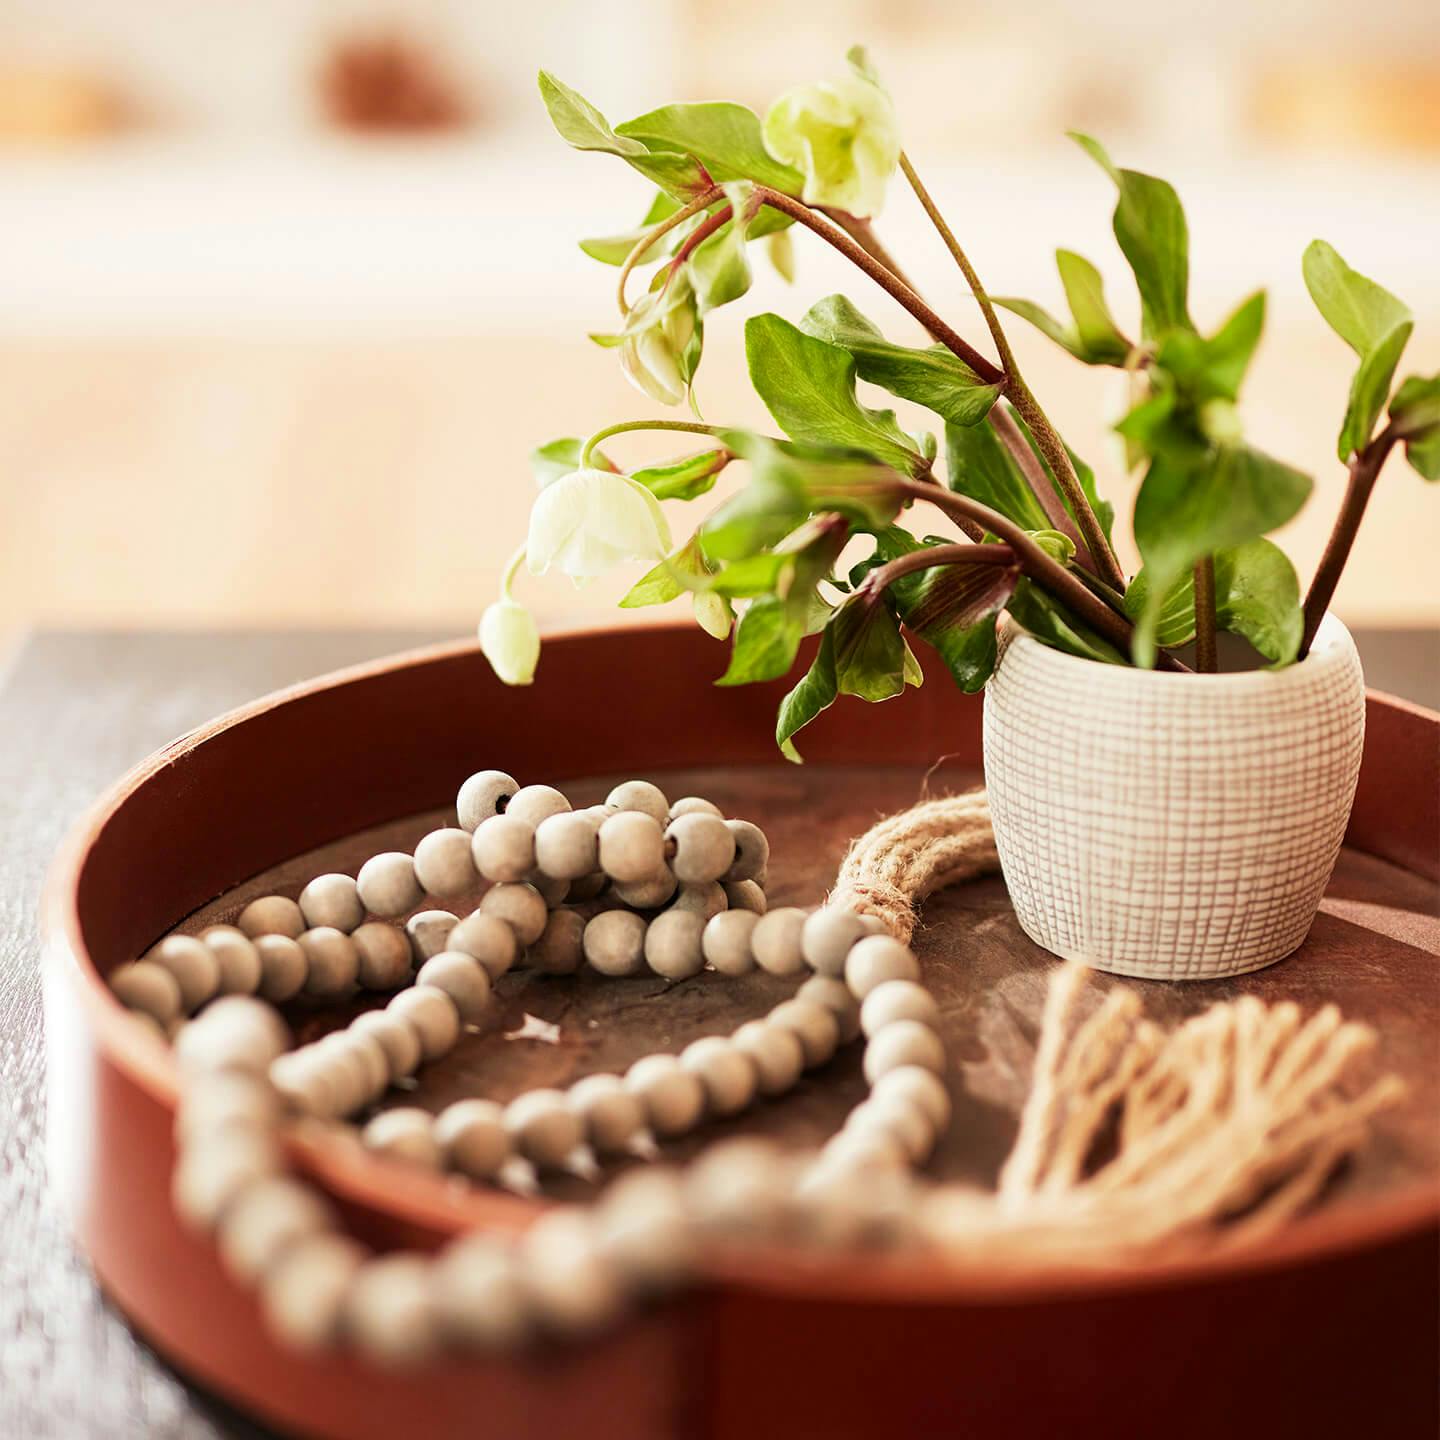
<point x="870" y="652"/>
<point x="781" y="250"/>
<point x="1084" y="475"/>
<point x="809" y="388"/>
<point x="720" y="265"/>
<point x="672" y="577"/>
<point x="1050" y="622"/>
<point x="1415" y="410"/>
<point x="1099" y="336"/>
<point x="1150" y="227"/>
<point x="615" y="249"/>
<point x="932" y="376"/>
<point x="582" y="126"/>
<point x="816" y="691"/>
<point x="1064" y="336"/>
<point x="1183" y="512"/>
<point x="858" y="59"/>
<point x="1372" y="322"/>
<point x="766" y="639"/>
<point x="684" y="479"/>
<point x="977" y="464"/>
<point x="1257" y="596"/>
<point x="1211" y="369"/>
<point x="722" y="136"/>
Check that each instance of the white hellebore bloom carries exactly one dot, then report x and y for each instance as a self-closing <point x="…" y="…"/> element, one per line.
<point x="843" y="136"/>
<point x="589" y="522"/>
<point x="510" y="641"/>
<point x="658" y="331"/>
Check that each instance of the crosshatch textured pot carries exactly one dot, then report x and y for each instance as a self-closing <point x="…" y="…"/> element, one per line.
<point x="1171" y="827"/>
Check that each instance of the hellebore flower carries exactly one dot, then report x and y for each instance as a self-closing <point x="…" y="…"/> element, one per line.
<point x="655" y="343"/>
<point x="587" y="523"/>
<point x="844" y="138"/>
<point x="510" y="641"/>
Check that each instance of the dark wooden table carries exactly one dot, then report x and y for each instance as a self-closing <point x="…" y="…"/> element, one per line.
<point x="76" y="710"/>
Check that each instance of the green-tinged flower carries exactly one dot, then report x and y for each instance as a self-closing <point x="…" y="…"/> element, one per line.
<point x="591" y="521"/>
<point x="510" y="641"/>
<point x="658" y="334"/>
<point x="843" y="136"/>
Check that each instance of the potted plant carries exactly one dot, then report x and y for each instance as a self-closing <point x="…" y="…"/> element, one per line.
<point x="1153" y="813"/>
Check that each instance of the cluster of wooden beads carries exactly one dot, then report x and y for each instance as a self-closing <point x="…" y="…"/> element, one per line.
<point x="574" y="1269"/>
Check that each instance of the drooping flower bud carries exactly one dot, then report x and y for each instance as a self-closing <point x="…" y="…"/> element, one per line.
<point x="591" y="521"/>
<point x="656" y="341"/>
<point x="510" y="641"/>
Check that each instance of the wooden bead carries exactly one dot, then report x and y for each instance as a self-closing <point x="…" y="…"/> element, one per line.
<point x="148" y="987"/>
<point x="587" y="887"/>
<point x="331" y="961"/>
<point x="614" y="943"/>
<point x="694" y="805"/>
<point x="472" y="1138"/>
<point x="235" y="1033"/>
<point x="504" y="849"/>
<point x="705" y="899"/>
<point x="700" y="847"/>
<point x="462" y="977"/>
<point x="480" y="1295"/>
<point x="484" y="794"/>
<point x="308" y="1085"/>
<point x="612" y="1115"/>
<point x="552" y="891"/>
<point x="332" y="901"/>
<point x="382" y="956"/>
<point x="489" y="939"/>
<point x="898" y="1000"/>
<point x="726" y="942"/>
<point x="643" y="1224"/>
<point x="725" y="1070"/>
<point x="876" y="959"/>
<point x="834" y="994"/>
<point x="345" y="1072"/>
<point x="567" y="845"/>
<point x="673" y="1097"/>
<point x="271" y="915"/>
<point x="632" y="847"/>
<point x="212" y="1170"/>
<point x="647" y="894"/>
<point x="752" y="851"/>
<point x="519" y="906"/>
<point x="405" y="1133"/>
<point x="445" y="864"/>
<point x="397" y="1038"/>
<point x="535" y="803"/>
<point x="745" y="895"/>
<point x="917" y="1086"/>
<point x="828" y="937"/>
<point x="283" y="967"/>
<point x="560" y="950"/>
<point x="853" y="1152"/>
<point x="195" y="968"/>
<point x="640" y="796"/>
<point x="428" y="932"/>
<point x="672" y="945"/>
<point x="387" y="885"/>
<point x="908" y="1123"/>
<point x="814" y="1026"/>
<point x="389" y="1310"/>
<point x="775" y="941"/>
<point x="212" y="1102"/>
<point x="847" y="1203"/>
<point x="778" y="1055"/>
<point x="906" y="1042"/>
<point x="366" y="1058"/>
<point x="303" y="1292"/>
<point x="543" y="1127"/>
<point x="239" y="960"/>
<point x="433" y="1014"/>
<point x="264" y="1219"/>
<point x="574" y="1285"/>
<point x="739" y="1187"/>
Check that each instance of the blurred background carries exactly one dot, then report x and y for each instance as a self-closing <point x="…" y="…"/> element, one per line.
<point x="289" y="288"/>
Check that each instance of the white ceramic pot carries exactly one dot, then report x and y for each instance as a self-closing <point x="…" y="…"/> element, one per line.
<point x="1172" y="827"/>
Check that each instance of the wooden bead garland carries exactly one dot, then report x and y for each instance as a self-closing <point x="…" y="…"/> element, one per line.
<point x="574" y="1270"/>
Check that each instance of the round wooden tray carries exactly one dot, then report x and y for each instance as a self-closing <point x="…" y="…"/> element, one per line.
<point x="1332" y="1328"/>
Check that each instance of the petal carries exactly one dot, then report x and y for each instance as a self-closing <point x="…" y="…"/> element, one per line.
<point x="558" y="511"/>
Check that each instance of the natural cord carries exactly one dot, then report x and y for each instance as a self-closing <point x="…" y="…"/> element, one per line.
<point x="1020" y="395"/>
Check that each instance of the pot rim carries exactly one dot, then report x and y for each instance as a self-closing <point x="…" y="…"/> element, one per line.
<point x="1332" y="644"/>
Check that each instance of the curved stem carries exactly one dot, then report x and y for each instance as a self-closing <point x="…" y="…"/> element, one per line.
<point x="1051" y="446"/>
<point x="701" y="233"/>
<point x="693" y="427"/>
<point x="888" y="281"/>
<point x="1364" y="472"/>
<point x="512" y="568"/>
<point x="932" y="556"/>
<point x="659" y="231"/>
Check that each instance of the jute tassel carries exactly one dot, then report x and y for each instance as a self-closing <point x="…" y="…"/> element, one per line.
<point x="1215" y="1134"/>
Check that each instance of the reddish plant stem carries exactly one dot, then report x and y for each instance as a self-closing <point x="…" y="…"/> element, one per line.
<point x="1365" y="470"/>
<point x="1206" y="661"/>
<point x="934" y="555"/>
<point x="697" y="237"/>
<point x="1039" y="482"/>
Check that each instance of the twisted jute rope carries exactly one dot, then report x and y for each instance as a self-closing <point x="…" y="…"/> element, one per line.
<point x="1132" y="1139"/>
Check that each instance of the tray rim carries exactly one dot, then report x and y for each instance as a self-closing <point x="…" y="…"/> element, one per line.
<point x="429" y="1204"/>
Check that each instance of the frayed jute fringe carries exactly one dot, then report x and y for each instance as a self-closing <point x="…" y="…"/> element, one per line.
<point x="1133" y="1139"/>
